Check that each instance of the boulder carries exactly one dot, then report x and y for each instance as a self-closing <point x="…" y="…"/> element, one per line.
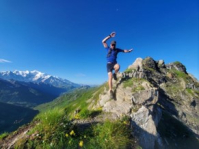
<point x="144" y="128"/>
<point x="137" y="65"/>
<point x="149" y="63"/>
<point x="104" y="98"/>
<point x="161" y="64"/>
<point x="119" y="108"/>
<point x="145" y="97"/>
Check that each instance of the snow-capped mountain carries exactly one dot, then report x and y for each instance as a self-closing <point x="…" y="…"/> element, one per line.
<point x="36" y="77"/>
<point x="31" y="88"/>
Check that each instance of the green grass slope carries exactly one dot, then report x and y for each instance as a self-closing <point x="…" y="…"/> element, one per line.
<point x="55" y="127"/>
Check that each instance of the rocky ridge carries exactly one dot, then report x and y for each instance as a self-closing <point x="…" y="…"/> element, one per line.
<point x="148" y="88"/>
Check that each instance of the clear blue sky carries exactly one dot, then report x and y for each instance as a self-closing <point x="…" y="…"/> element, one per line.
<point x="63" y="37"/>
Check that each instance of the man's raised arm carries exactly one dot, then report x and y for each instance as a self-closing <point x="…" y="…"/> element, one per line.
<point x="106" y="38"/>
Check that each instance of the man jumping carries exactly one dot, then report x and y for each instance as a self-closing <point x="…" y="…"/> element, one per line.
<point x="112" y="64"/>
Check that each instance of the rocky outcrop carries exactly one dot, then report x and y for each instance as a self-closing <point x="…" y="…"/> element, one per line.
<point x="147" y="88"/>
<point x="140" y="106"/>
<point x="149" y="63"/>
<point x="137" y="101"/>
<point x="178" y="66"/>
<point x="145" y="127"/>
<point x="137" y="65"/>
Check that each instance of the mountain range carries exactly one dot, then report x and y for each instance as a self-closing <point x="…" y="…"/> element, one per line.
<point x="31" y="88"/>
<point x="37" y="77"/>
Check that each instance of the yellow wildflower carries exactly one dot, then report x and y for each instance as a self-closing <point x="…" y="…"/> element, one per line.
<point x="72" y="133"/>
<point x="125" y="122"/>
<point x="67" y="135"/>
<point x="81" y="143"/>
<point x="77" y="116"/>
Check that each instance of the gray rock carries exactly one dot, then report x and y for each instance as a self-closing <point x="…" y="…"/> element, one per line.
<point x="135" y="75"/>
<point x="142" y="75"/>
<point x="178" y="66"/>
<point x="137" y="65"/>
<point x="119" y="108"/>
<point x="124" y="94"/>
<point x="149" y="63"/>
<point x="145" y="120"/>
<point x="190" y="86"/>
<point x="146" y="97"/>
<point x="144" y="128"/>
<point x="104" y="99"/>
<point x="130" y="75"/>
<point x="161" y="64"/>
<point x="122" y="103"/>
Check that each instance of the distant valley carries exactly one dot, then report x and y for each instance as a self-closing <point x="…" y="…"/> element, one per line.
<point x="22" y="91"/>
<point x="31" y="88"/>
<point x="12" y="117"/>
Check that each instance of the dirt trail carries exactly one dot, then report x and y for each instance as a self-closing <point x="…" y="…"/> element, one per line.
<point x="8" y="142"/>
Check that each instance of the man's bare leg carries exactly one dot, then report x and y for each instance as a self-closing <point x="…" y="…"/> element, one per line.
<point x="110" y="80"/>
<point x="116" y="68"/>
<point x="110" y="76"/>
